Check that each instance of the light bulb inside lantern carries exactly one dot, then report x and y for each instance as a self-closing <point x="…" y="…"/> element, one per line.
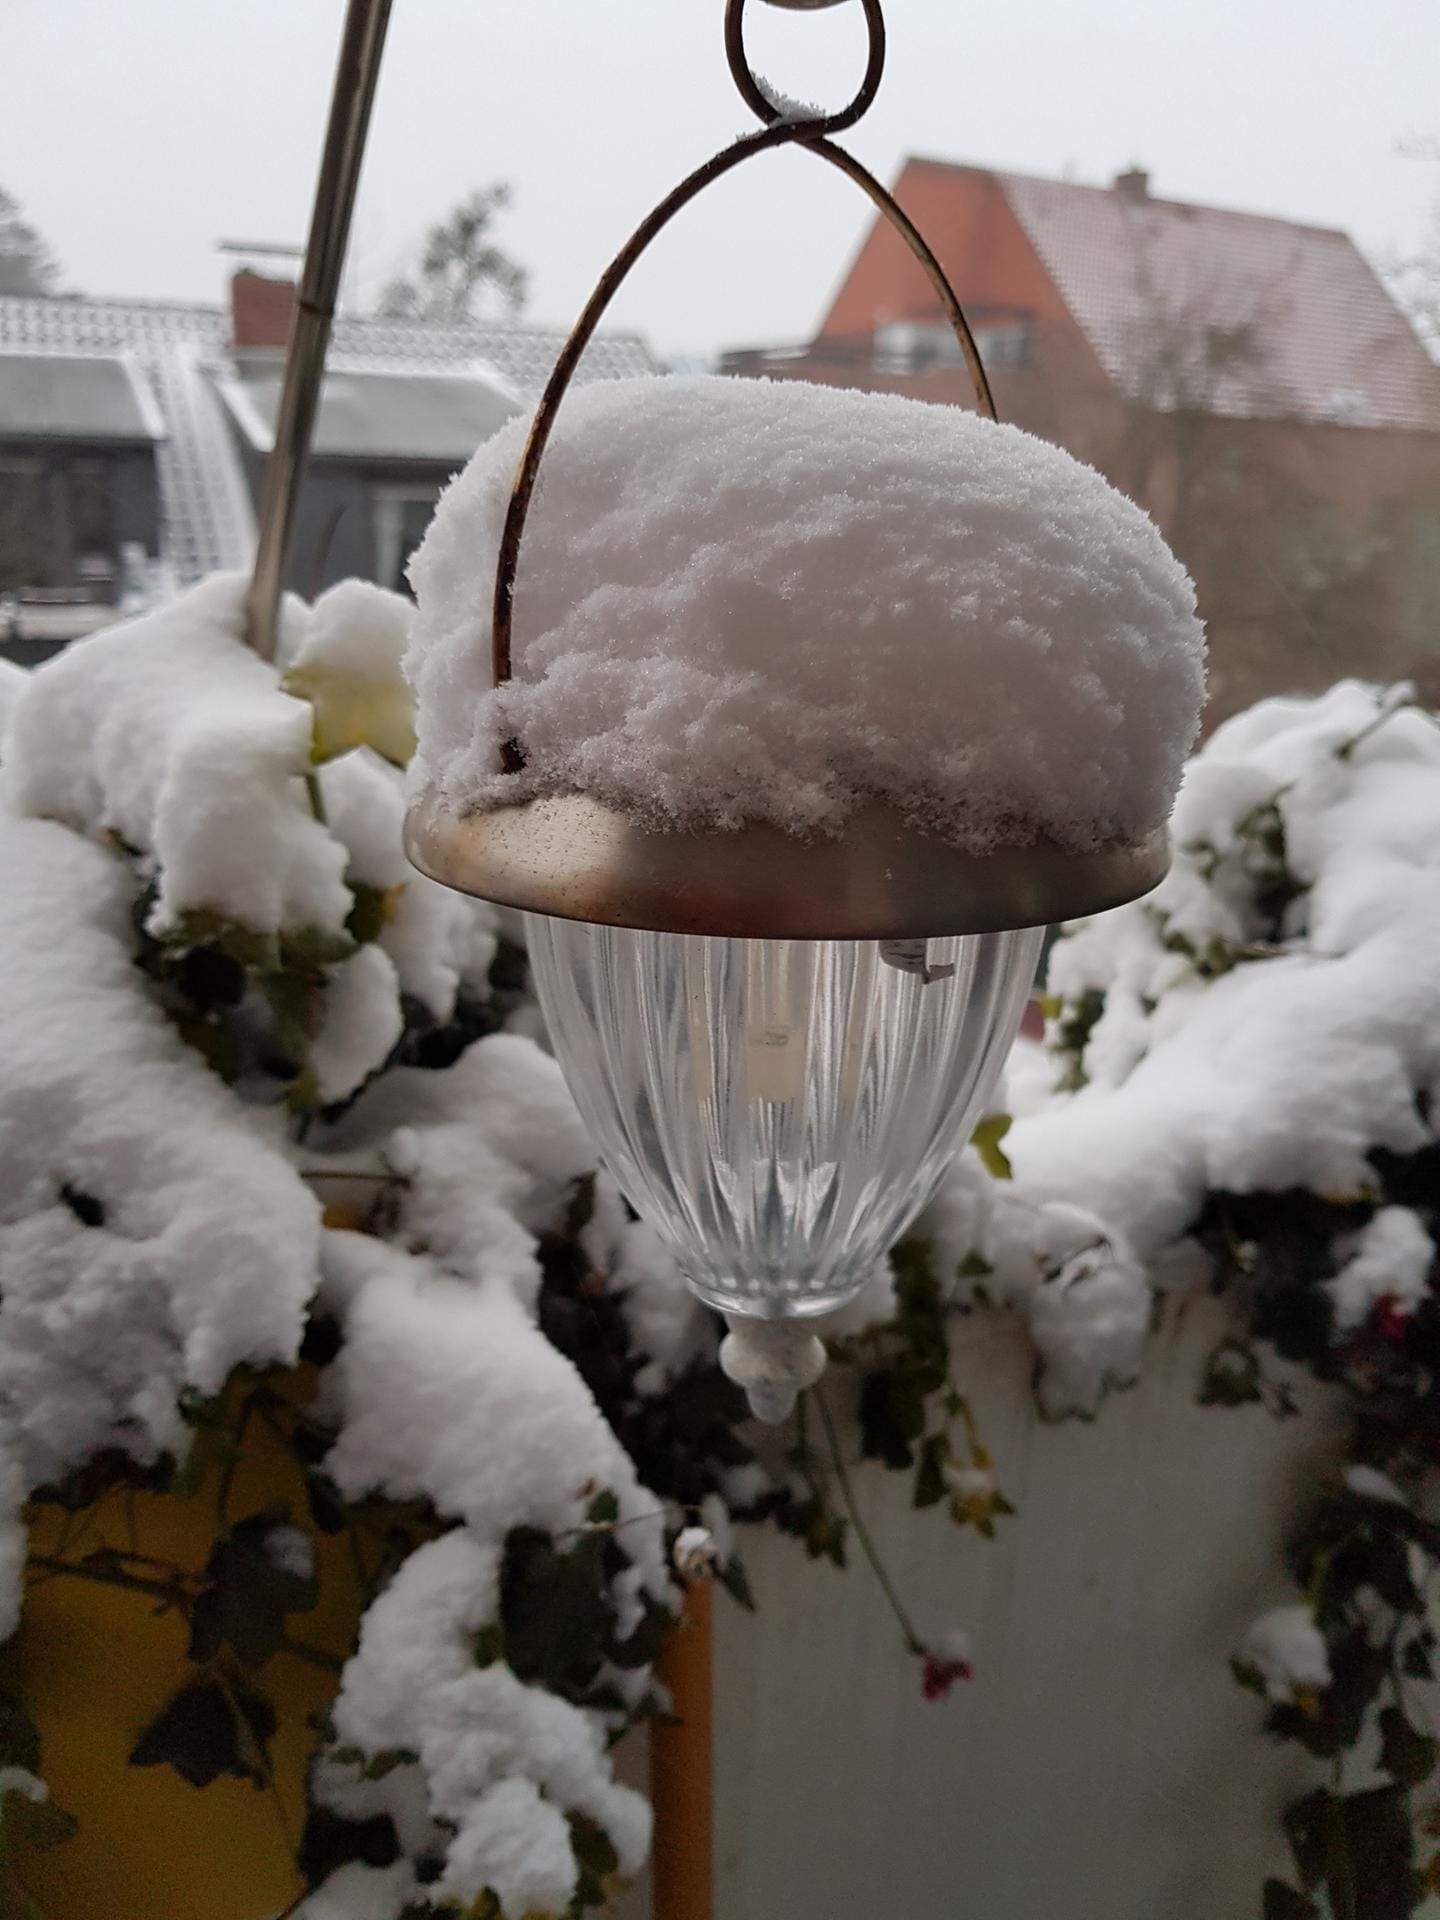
<point x="779" y="1110"/>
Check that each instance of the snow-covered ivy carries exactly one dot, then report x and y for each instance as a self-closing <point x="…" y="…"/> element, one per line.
<point x="269" y="1093"/>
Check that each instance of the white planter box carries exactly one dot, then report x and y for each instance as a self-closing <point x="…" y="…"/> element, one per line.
<point x="1103" y="1764"/>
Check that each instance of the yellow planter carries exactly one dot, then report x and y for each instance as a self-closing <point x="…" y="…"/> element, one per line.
<point x="95" y="1664"/>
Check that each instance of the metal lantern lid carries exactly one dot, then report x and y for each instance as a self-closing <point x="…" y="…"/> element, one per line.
<point x="571" y="856"/>
<point x="574" y="858"/>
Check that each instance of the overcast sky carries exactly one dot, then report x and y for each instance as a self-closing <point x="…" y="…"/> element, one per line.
<point x="139" y="132"/>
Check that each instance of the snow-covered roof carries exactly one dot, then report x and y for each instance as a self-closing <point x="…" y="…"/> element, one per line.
<point x="411" y="415"/>
<point x="181" y="352"/>
<point x="76" y="396"/>
<point x="1299" y="323"/>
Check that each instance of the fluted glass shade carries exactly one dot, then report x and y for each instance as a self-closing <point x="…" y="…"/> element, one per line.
<point x="779" y="1110"/>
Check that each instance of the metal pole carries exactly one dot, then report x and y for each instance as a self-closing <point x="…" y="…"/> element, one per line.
<point x="356" y="73"/>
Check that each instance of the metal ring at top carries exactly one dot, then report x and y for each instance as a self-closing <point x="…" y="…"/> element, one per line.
<point x="756" y="95"/>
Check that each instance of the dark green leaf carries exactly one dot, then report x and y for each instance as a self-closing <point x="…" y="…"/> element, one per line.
<point x="892" y="1414"/>
<point x="1358" y="1672"/>
<point x="248" y="947"/>
<point x="1232" y="1376"/>
<point x="593" y="1846"/>
<point x="930" y="1474"/>
<point x="642" y="1648"/>
<point x="595" y="1857"/>
<point x="380" y="1764"/>
<point x="1406" y="1754"/>
<point x="554" y="1610"/>
<point x="490" y="1645"/>
<point x="248" y="1592"/>
<point x="1284" y="1903"/>
<point x="85" y="1207"/>
<point x="1307" y="1826"/>
<point x="327" y="1504"/>
<point x="19" y="1740"/>
<point x="736" y="1583"/>
<point x="329" y="1842"/>
<point x="1371" y="1868"/>
<point x="36" y="1823"/>
<point x="604" y="1509"/>
<point x="369" y="913"/>
<point x="315" y="947"/>
<point x="1416" y="1661"/>
<point x="197" y="1734"/>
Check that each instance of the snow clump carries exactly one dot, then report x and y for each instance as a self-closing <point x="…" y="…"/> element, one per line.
<point x="744" y="600"/>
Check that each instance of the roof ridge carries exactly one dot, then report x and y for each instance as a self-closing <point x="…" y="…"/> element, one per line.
<point x="1003" y="174"/>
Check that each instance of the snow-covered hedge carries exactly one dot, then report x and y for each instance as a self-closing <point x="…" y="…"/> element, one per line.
<point x="265" y="1090"/>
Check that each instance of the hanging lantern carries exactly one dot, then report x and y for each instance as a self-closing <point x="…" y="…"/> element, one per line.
<point x="785" y="839"/>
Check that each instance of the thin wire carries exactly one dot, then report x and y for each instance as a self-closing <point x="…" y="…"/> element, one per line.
<point x="813" y="136"/>
<point x="913" y="1642"/>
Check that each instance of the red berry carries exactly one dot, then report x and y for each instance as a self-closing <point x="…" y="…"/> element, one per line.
<point x="939" y="1676"/>
<point x="1390" y="1318"/>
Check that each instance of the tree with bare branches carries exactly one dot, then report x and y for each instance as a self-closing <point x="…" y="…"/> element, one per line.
<point x="26" y="263"/>
<point x="460" y="263"/>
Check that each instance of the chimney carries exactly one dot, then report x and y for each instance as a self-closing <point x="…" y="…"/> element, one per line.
<point x="261" y="311"/>
<point x="1133" y="184"/>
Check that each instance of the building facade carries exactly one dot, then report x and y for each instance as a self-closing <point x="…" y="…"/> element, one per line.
<point x="133" y="438"/>
<point x="1249" y="380"/>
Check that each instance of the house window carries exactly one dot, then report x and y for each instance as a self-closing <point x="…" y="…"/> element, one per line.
<point x="57" y="525"/>
<point x="26" y="532"/>
<point x="401" y="516"/>
<point x="921" y="346"/>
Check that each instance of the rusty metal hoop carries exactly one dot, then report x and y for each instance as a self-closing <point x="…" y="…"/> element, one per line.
<point x="759" y="98"/>
<point x="811" y="134"/>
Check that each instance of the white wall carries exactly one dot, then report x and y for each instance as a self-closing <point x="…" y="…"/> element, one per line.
<point x="1102" y="1765"/>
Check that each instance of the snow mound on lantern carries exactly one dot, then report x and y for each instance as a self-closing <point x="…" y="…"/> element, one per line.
<point x="740" y="600"/>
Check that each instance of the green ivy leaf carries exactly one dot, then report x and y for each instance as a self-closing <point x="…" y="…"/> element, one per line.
<point x="326" y="1502"/>
<point x="371" y="912"/>
<point x="554" y="1610"/>
<point x="1307" y="1825"/>
<point x="330" y="1842"/>
<point x="604" y="1510"/>
<point x="197" y="1733"/>
<point x="19" y="1740"/>
<point x="1415" y="1662"/>
<point x="892" y="1412"/>
<point x="986" y="1141"/>
<point x="1406" y="1754"/>
<point x="1358" y="1671"/>
<point x="256" y="949"/>
<point x="736" y="1583"/>
<point x="490" y="1645"/>
<point x="1284" y="1903"/>
<point x="1373" y="1856"/>
<point x="381" y="1764"/>
<point x="248" y="1593"/>
<point x="642" y="1648"/>
<point x="1232" y="1376"/>
<point x="930" y="1473"/>
<point x="35" y="1824"/>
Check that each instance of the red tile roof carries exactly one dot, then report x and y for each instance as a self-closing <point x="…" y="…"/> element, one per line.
<point x="1239" y="313"/>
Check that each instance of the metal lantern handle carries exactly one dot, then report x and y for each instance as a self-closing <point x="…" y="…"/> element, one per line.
<point x="780" y="129"/>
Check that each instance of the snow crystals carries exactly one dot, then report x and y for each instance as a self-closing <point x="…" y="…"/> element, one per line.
<point x="744" y="600"/>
